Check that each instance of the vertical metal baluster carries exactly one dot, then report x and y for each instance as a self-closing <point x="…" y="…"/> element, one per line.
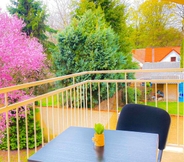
<point x="99" y="103"/>
<point x="145" y="91"/>
<point x="87" y="105"/>
<point x="126" y="88"/>
<point x="71" y="108"/>
<point x="35" y="136"/>
<point x="48" y="127"/>
<point x="67" y="108"/>
<point x="117" y="103"/>
<point x="135" y="85"/>
<point x="91" y="101"/>
<point x="178" y="117"/>
<point x="53" y="117"/>
<point x="59" y="123"/>
<point x="7" y="127"/>
<point x="108" y="105"/>
<point x="18" y="140"/>
<point x="78" y="105"/>
<point x="41" y="122"/>
<point x="81" y="103"/>
<point x="63" y="110"/>
<point x="27" y="137"/>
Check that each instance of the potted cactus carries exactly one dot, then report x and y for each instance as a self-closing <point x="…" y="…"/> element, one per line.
<point x="99" y="135"/>
<point x="99" y="139"/>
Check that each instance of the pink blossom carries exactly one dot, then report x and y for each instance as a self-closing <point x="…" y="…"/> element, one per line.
<point x="20" y="56"/>
<point x="21" y="60"/>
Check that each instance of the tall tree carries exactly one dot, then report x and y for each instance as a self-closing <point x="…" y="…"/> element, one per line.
<point x="21" y="57"/>
<point x="115" y="16"/>
<point x="89" y="44"/>
<point x="154" y="26"/>
<point x="34" y="15"/>
<point x="182" y="54"/>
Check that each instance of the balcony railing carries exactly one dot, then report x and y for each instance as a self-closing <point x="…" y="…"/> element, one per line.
<point x="73" y="100"/>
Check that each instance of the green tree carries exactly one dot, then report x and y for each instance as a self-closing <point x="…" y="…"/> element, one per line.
<point x="182" y="54"/>
<point x="115" y="16"/>
<point x="35" y="17"/>
<point x="153" y="25"/>
<point x="88" y="44"/>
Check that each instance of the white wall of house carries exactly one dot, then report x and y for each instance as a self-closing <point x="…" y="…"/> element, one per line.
<point x="172" y="54"/>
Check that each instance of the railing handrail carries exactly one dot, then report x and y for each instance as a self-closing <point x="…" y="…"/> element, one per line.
<point x="40" y="97"/>
<point x="36" y="83"/>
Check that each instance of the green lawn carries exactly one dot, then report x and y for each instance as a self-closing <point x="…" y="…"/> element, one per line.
<point x="44" y="102"/>
<point x="173" y="107"/>
<point x="14" y="155"/>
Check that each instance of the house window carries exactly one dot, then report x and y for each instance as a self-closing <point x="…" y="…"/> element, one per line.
<point x="173" y="59"/>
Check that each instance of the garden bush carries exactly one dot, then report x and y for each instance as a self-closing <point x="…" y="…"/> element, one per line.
<point x="131" y="95"/>
<point x="22" y="130"/>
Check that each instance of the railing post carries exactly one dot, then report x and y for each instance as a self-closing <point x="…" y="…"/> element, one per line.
<point x="7" y="125"/>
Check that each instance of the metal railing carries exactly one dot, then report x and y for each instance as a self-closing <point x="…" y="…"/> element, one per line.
<point x="73" y="100"/>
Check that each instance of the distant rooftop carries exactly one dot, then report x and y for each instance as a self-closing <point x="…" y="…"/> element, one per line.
<point x="153" y="54"/>
<point x="160" y="75"/>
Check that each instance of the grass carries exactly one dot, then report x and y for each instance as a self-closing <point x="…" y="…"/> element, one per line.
<point x="14" y="155"/>
<point x="173" y="107"/>
<point x="44" y="102"/>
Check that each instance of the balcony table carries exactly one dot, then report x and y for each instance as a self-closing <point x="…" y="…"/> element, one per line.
<point x="75" y="145"/>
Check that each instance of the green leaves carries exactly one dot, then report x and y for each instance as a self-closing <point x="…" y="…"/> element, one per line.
<point x="153" y="25"/>
<point x="99" y="128"/>
<point x="22" y="133"/>
<point x="34" y="14"/>
<point x="88" y="44"/>
<point x="182" y="54"/>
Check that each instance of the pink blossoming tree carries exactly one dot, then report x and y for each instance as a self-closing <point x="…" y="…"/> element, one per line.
<point x="21" y="57"/>
<point x="21" y="60"/>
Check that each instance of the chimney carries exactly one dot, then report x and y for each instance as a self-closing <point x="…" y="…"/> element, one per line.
<point x="153" y="54"/>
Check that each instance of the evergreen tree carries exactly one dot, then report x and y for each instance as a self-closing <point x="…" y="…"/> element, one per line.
<point x="34" y="16"/>
<point x="182" y="54"/>
<point x="89" y="44"/>
<point x="115" y="17"/>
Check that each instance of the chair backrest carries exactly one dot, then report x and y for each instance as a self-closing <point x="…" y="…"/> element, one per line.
<point x="142" y="118"/>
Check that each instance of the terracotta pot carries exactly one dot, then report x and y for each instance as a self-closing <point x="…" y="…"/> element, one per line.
<point x="99" y="139"/>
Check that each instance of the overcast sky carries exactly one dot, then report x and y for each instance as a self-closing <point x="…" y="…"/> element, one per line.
<point x="3" y="4"/>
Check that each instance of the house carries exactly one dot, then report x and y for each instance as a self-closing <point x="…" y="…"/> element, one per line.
<point x="171" y="89"/>
<point x="160" y="58"/>
<point x="161" y="54"/>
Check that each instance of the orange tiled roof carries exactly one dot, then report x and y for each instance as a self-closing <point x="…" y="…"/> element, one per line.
<point x="145" y="55"/>
<point x="159" y="53"/>
<point x="139" y="54"/>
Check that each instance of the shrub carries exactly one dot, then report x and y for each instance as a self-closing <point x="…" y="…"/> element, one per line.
<point x="22" y="130"/>
<point x="13" y="97"/>
<point x="131" y="95"/>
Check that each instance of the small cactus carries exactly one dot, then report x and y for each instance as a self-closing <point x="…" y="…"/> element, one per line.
<point x="99" y="128"/>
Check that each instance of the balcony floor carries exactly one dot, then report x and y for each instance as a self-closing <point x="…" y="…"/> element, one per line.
<point x="171" y="156"/>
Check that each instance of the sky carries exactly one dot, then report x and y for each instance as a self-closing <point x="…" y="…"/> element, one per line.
<point x="3" y="4"/>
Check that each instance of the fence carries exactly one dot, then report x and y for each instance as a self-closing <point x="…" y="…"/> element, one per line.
<point x="83" y="99"/>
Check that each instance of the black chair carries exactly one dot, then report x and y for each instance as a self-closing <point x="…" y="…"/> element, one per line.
<point x="142" y="118"/>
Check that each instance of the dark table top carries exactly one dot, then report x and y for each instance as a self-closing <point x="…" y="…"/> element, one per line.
<point x="75" y="145"/>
